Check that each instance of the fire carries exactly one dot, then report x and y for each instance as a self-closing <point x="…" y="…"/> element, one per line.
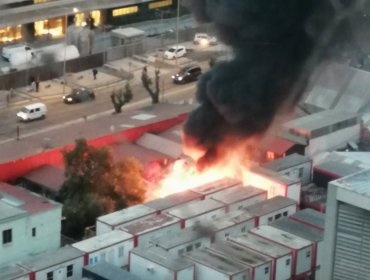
<point x="233" y="161"/>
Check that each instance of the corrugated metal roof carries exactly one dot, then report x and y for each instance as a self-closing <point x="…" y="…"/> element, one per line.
<point x="270" y="205"/>
<point x="162" y="257"/>
<point x="287" y="162"/>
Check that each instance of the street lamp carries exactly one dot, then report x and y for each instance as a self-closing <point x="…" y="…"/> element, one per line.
<point x="74" y="10"/>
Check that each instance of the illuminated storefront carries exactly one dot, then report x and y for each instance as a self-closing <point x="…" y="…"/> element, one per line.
<point x="160" y="4"/>
<point x="50" y="27"/>
<point x="125" y="11"/>
<point x="81" y="18"/>
<point x="10" y="33"/>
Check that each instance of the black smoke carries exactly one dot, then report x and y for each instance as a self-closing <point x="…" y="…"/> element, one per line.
<point x="272" y="41"/>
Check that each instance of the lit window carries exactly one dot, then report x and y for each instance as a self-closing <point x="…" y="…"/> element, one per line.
<point x="70" y="270"/>
<point x="7" y="236"/>
<point x="160" y="4"/>
<point x="125" y="11"/>
<point x="52" y="27"/>
<point x="33" y="232"/>
<point x="39" y="1"/>
<point x="50" y="275"/>
<point x="270" y="155"/>
<point x="10" y="33"/>
<point x="81" y="18"/>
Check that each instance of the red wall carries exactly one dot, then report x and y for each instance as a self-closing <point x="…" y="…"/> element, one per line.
<point x="13" y="169"/>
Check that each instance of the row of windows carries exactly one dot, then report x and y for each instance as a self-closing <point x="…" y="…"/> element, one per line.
<point x="134" y="9"/>
<point x="8" y="235"/>
<point x="50" y="274"/>
<point x="277" y="216"/>
<point x="189" y="248"/>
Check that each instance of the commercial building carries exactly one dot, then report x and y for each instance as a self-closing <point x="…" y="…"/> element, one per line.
<point x="347" y="228"/>
<point x="29" y="224"/>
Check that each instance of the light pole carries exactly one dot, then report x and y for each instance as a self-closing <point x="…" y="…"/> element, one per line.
<point x="177" y="28"/>
<point x="66" y="10"/>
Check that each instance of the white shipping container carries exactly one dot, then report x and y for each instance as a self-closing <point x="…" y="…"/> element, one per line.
<point x="113" y="220"/>
<point x="14" y="272"/>
<point x="236" y="198"/>
<point x="272" y="209"/>
<point x="282" y="256"/>
<point x="151" y="228"/>
<point x="198" y="211"/>
<point x="213" y="187"/>
<point x="301" y="249"/>
<point x="211" y="266"/>
<point x="156" y="264"/>
<point x="112" y="247"/>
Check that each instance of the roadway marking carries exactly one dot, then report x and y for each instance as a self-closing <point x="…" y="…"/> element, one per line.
<point x="139" y="104"/>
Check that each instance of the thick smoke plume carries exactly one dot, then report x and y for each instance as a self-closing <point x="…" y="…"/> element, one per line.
<point x="272" y="42"/>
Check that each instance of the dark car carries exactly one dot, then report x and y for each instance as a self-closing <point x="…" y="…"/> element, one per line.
<point x="187" y="74"/>
<point x="79" y="95"/>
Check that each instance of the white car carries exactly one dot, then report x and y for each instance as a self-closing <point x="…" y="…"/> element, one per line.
<point x="175" y="51"/>
<point x="204" y="39"/>
<point x="32" y="112"/>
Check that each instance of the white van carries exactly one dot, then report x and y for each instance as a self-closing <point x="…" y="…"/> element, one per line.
<point x="23" y="50"/>
<point x="32" y="112"/>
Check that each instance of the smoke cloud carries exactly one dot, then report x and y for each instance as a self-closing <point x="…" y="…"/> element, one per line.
<point x="272" y="41"/>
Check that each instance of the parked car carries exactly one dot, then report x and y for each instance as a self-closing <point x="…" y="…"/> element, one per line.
<point x="32" y="112"/>
<point x="175" y="51"/>
<point x="204" y="39"/>
<point x="187" y="74"/>
<point x="78" y="95"/>
<point x="18" y="54"/>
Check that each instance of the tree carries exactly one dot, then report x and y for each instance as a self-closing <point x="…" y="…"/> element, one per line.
<point x="121" y="97"/>
<point x="95" y="185"/>
<point x="147" y="83"/>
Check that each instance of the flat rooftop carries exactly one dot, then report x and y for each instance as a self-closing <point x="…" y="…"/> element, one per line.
<point x="299" y="229"/>
<point x="148" y="224"/>
<point x="102" y="241"/>
<point x="10" y="212"/>
<point x="236" y="194"/>
<point x="270" y="205"/>
<point x="216" y="186"/>
<point x="282" y="237"/>
<point x="243" y="254"/>
<point x="108" y="271"/>
<point x="261" y="245"/>
<point x="126" y="215"/>
<point x="10" y="272"/>
<point x="196" y="208"/>
<point x="49" y="259"/>
<point x="287" y="162"/>
<point x="184" y="236"/>
<point x="173" y="200"/>
<point x="173" y="134"/>
<point x="231" y="219"/>
<point x="320" y="119"/>
<point x="25" y="200"/>
<point x="273" y="175"/>
<point x="310" y="217"/>
<point x="162" y="257"/>
<point x="216" y="261"/>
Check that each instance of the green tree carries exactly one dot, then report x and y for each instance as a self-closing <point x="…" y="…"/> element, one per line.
<point x="95" y="185"/>
<point x="120" y="98"/>
<point x="148" y="84"/>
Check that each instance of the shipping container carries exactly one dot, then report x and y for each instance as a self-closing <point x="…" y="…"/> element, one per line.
<point x="272" y="209"/>
<point x="14" y="272"/>
<point x="300" y="248"/>
<point x="236" y="198"/>
<point x="282" y="256"/>
<point x="213" y="187"/>
<point x="112" y="247"/>
<point x="311" y="218"/>
<point x="152" y="227"/>
<point x="113" y="220"/>
<point x="156" y="264"/>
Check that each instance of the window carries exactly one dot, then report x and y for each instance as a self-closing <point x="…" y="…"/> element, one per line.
<point x="227" y="234"/>
<point x="269" y="219"/>
<point x="197" y="245"/>
<point x="181" y="251"/>
<point x="102" y="256"/>
<point x="70" y="270"/>
<point x="308" y="254"/>
<point x="33" y="232"/>
<point x="50" y="275"/>
<point x="7" y="236"/>
<point x="189" y="248"/>
<point x="160" y="4"/>
<point x="10" y="33"/>
<point x="243" y="229"/>
<point x="244" y="277"/>
<point x="277" y="216"/>
<point x="285" y="214"/>
<point x="270" y="155"/>
<point x="266" y="270"/>
<point x="125" y="11"/>
<point x="120" y="251"/>
<point x="287" y="262"/>
<point x="300" y="172"/>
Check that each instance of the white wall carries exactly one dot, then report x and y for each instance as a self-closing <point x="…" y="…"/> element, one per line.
<point x="146" y="269"/>
<point x="264" y="220"/>
<point x="186" y="274"/>
<point x="272" y="187"/>
<point x="303" y="262"/>
<point x="259" y="272"/>
<point x="234" y="230"/>
<point x="203" y="272"/>
<point x="294" y="192"/>
<point x="111" y="254"/>
<point x="283" y="271"/>
<point x="293" y="172"/>
<point x="60" y="270"/>
<point x="102" y="228"/>
<point x="332" y="141"/>
<point x="320" y="258"/>
<point x="144" y="239"/>
<point x="209" y="216"/>
<point x="246" y="202"/>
